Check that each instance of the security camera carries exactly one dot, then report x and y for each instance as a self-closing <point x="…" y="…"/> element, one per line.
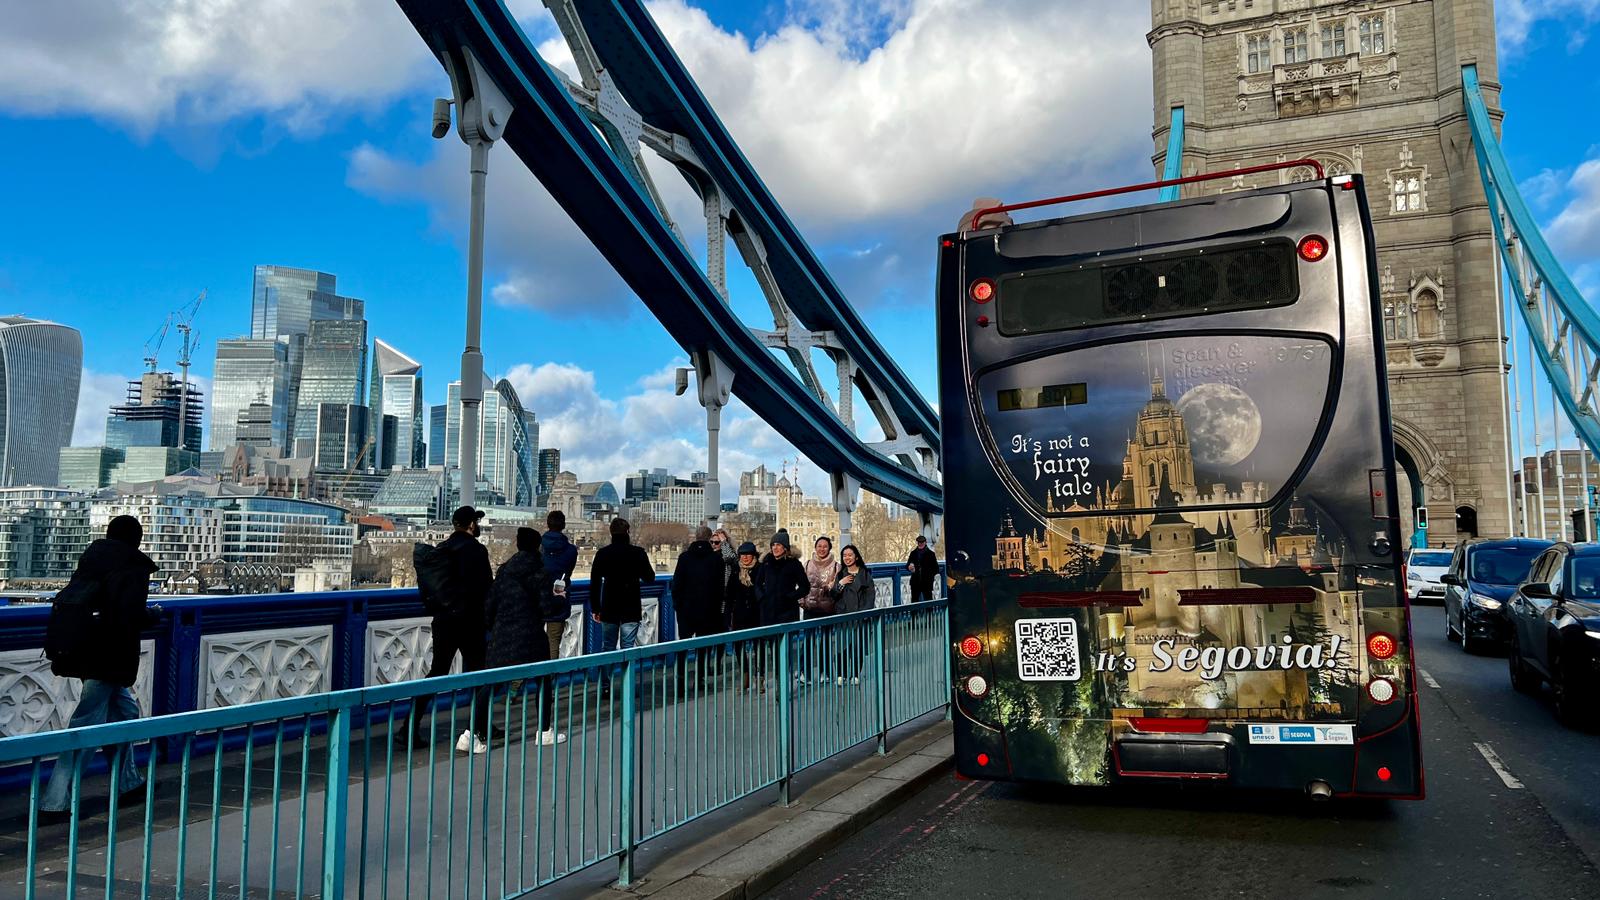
<point x="441" y="117"/>
<point x="680" y="382"/>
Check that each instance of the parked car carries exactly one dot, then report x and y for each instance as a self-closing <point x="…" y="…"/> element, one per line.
<point x="1555" y="630"/>
<point x="1424" y="565"/>
<point x="1482" y="575"/>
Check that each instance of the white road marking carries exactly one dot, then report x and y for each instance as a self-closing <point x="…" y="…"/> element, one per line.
<point x="1490" y="757"/>
<point x="1428" y="679"/>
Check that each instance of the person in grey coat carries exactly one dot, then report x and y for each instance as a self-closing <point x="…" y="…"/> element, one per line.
<point x="852" y="591"/>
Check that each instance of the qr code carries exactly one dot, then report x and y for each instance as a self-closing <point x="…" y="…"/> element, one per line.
<point x="1047" y="650"/>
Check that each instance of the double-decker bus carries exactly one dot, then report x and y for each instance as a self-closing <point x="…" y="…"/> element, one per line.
<point x="1170" y="511"/>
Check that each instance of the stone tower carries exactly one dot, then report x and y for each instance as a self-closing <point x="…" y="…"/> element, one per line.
<point x="1370" y="86"/>
<point x="1159" y="454"/>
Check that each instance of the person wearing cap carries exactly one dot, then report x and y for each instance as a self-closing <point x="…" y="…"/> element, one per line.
<point x="516" y="626"/>
<point x="781" y="583"/>
<point x="461" y="629"/>
<point x="744" y="607"/>
<point x="113" y="576"/>
<point x="923" y="565"/>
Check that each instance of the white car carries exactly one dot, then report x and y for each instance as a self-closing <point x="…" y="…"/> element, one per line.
<point x="1424" y="565"/>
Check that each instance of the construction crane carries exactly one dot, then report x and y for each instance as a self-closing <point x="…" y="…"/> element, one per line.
<point x="152" y="347"/>
<point x="184" y="316"/>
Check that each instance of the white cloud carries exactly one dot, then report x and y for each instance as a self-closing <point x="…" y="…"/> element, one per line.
<point x="1515" y="20"/>
<point x="1575" y="230"/>
<point x="148" y="63"/>
<point x="97" y="391"/>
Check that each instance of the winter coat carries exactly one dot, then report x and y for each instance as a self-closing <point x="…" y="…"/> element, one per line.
<point x="780" y="583"/>
<point x="123" y="574"/>
<point x="470" y="577"/>
<point x="560" y="558"/>
<point x="743" y="603"/>
<point x="859" y="594"/>
<point x="516" y="627"/>
<point x="697" y="588"/>
<point x="821" y="576"/>
<point x="927" y="567"/>
<point x="620" y="569"/>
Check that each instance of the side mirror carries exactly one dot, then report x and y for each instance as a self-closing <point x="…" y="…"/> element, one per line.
<point x="1537" y="590"/>
<point x="1451" y="578"/>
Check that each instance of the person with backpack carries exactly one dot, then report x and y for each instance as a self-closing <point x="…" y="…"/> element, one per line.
<point x="560" y="558"/>
<point x="93" y="634"/>
<point x="453" y="580"/>
<point x="516" y="625"/>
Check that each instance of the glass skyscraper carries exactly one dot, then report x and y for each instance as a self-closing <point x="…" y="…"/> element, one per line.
<point x="284" y="300"/>
<point x="397" y="392"/>
<point x="507" y="453"/>
<point x="332" y="371"/>
<point x="248" y="371"/>
<point x="40" y="366"/>
<point x="341" y="437"/>
<point x="549" y="467"/>
<point x="436" y="429"/>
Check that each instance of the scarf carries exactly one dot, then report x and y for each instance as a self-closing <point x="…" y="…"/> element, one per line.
<point x="744" y="573"/>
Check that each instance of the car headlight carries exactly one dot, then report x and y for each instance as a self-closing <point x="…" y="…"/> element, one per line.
<point x="1593" y="634"/>
<point x="1483" y="602"/>
<point x="1413" y="576"/>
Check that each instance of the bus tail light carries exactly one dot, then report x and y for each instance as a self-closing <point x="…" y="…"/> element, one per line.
<point x="1313" y="247"/>
<point x="981" y="291"/>
<point x="1381" y="690"/>
<point x="971" y="646"/>
<point x="983" y="759"/>
<point x="977" y="687"/>
<point x="1381" y="645"/>
<point x="1384" y="774"/>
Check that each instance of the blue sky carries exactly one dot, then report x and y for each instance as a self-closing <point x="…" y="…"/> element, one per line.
<point x="148" y="156"/>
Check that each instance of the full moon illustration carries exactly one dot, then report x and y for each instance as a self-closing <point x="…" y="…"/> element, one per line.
<point x="1224" y="423"/>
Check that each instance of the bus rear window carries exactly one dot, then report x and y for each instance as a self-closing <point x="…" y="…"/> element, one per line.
<point x="1159" y="286"/>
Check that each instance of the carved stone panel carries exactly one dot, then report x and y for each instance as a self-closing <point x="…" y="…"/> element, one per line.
<point x="34" y="700"/>
<point x="883" y="592"/>
<point x="400" y="650"/>
<point x="250" y="666"/>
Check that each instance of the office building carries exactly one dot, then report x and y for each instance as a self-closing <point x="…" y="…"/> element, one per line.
<point x="396" y="391"/>
<point x="506" y="453"/>
<point x="181" y="530"/>
<point x="286" y="533"/>
<point x="43" y="531"/>
<point x="436" y="427"/>
<point x="250" y="371"/>
<point x="254" y="427"/>
<point x="87" y="469"/>
<point x="600" y="500"/>
<point x="684" y="503"/>
<point x="159" y="412"/>
<point x="549" y="466"/>
<point x="758" y="491"/>
<point x="333" y="370"/>
<point x="340" y="440"/>
<point x="285" y="300"/>
<point x="40" y="366"/>
<point x="151" y="464"/>
<point x="645" y="484"/>
<point x="414" y="495"/>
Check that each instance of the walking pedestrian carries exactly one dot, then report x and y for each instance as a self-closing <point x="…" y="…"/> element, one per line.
<point x="456" y="596"/>
<point x="620" y="570"/>
<point x="560" y="559"/>
<point x="924" y="568"/>
<point x="853" y="591"/>
<point x="697" y="598"/>
<point x="93" y="634"/>
<point x="516" y="625"/>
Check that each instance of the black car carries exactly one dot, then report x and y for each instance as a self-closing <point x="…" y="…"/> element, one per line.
<point x="1555" y="630"/>
<point x="1482" y="575"/>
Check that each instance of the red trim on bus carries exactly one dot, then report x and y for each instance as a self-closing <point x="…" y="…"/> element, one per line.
<point x="1149" y="185"/>
<point x="1169" y="725"/>
<point x="1051" y="599"/>
<point x="1232" y="596"/>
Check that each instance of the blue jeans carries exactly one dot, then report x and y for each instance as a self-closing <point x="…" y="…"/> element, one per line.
<point x="100" y="703"/>
<point x="628" y="631"/>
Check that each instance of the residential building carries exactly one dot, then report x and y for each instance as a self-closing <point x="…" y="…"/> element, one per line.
<point x="396" y="391"/>
<point x="333" y="370"/>
<point x="87" y="469"/>
<point x="436" y="429"/>
<point x="286" y="533"/>
<point x="758" y="491"/>
<point x="40" y="366"/>
<point x="158" y="408"/>
<point x="43" y="531"/>
<point x="413" y="495"/>
<point x="181" y="529"/>
<point x="250" y="373"/>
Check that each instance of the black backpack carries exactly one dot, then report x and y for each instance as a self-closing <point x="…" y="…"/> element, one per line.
<point x="73" y="637"/>
<point x="434" y="566"/>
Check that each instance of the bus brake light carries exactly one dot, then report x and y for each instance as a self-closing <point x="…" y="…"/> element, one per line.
<point x="971" y="647"/>
<point x="977" y="687"/>
<point x="982" y="290"/>
<point x="1381" y="690"/>
<point x="1313" y="247"/>
<point x="1381" y="645"/>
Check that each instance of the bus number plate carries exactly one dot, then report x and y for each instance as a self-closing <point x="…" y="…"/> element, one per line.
<point x="1047" y="650"/>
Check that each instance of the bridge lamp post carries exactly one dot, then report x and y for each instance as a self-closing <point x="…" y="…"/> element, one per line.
<point x="482" y="112"/>
<point x="716" y="384"/>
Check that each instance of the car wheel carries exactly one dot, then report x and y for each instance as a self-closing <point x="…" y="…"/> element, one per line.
<point x="1522" y="678"/>
<point x="1449" y="630"/>
<point x="1469" y="644"/>
<point x="1573" y="708"/>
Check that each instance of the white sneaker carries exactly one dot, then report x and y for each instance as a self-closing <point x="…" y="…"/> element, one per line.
<point x="552" y="737"/>
<point x="839" y="680"/>
<point x="469" y="743"/>
<point x="802" y="679"/>
<point x="855" y="679"/>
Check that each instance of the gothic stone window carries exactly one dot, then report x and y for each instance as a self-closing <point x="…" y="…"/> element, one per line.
<point x="1408" y="185"/>
<point x="1332" y="39"/>
<point x="1371" y="30"/>
<point x="1296" y="45"/>
<point x="1397" y="319"/>
<point x="1258" y="52"/>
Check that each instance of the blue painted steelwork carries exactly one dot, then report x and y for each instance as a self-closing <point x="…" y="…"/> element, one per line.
<point x="695" y="730"/>
<point x="1564" y="327"/>
<point x="1174" y="165"/>
<point x="558" y="143"/>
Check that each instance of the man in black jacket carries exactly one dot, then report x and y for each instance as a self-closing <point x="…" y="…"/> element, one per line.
<point x="697" y="588"/>
<point x="459" y="626"/>
<point x="115" y="576"/>
<point x="620" y="570"/>
<point x="923" y="565"/>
